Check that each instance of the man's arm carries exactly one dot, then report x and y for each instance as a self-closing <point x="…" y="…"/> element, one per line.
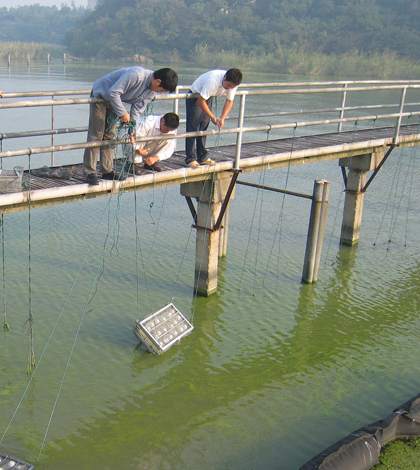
<point x="204" y="106"/>
<point x="225" y="111"/>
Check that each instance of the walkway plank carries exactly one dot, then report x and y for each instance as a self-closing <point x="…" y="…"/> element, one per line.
<point x="254" y="157"/>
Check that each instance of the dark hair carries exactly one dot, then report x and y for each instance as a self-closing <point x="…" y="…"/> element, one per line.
<point x="168" y="78"/>
<point x="234" y="76"/>
<point x="171" y="120"/>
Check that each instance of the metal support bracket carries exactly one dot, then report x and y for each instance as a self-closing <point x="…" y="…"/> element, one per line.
<point x="192" y="208"/>
<point x="391" y="148"/>
<point x="226" y="200"/>
<point x="343" y="172"/>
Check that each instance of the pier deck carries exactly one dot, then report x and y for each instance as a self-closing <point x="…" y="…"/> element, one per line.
<point x="254" y="156"/>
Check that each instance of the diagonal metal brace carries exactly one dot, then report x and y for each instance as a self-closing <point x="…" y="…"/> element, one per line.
<point x="227" y="199"/>
<point x="192" y="208"/>
<point x="391" y="148"/>
<point x="223" y="208"/>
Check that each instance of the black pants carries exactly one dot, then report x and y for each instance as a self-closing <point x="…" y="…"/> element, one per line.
<point x="197" y="120"/>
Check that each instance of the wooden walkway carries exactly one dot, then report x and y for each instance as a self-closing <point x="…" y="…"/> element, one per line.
<point x="255" y="156"/>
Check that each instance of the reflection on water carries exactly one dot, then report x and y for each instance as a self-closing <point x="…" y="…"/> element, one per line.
<point x="274" y="371"/>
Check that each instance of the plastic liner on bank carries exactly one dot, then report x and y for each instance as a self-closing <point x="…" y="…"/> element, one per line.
<point x="360" y="450"/>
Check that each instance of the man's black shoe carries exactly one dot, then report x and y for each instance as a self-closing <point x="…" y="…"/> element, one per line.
<point x="93" y="179"/>
<point x="154" y="167"/>
<point x="114" y="176"/>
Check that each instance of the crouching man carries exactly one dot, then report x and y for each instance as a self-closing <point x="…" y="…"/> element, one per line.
<point x="154" y="151"/>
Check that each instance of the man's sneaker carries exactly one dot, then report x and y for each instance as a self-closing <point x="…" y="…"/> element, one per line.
<point x="209" y="161"/>
<point x="193" y="164"/>
<point x="154" y="167"/>
<point x="93" y="179"/>
<point x="114" y="176"/>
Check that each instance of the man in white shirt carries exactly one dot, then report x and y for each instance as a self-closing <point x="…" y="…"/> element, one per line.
<point x="151" y="152"/>
<point x="199" y="112"/>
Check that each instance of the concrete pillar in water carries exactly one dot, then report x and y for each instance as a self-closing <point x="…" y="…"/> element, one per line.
<point x="316" y="231"/>
<point x="210" y="195"/>
<point x="353" y="207"/>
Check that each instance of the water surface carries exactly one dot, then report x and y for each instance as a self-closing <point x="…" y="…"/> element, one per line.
<point x="274" y="371"/>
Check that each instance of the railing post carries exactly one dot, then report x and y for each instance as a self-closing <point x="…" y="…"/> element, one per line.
<point x="401" y="110"/>
<point x="343" y="104"/>
<point x="240" y="125"/>
<point x="316" y="231"/>
<point x="176" y="110"/>
<point x="52" y="135"/>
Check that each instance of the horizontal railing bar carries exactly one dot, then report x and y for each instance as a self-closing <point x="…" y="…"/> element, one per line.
<point x="243" y="85"/>
<point x="69" y="130"/>
<point x="27" y="94"/>
<point x="321" y="83"/>
<point x="248" y="116"/>
<point x="326" y="90"/>
<point x="58" y="148"/>
<point x="23" y="104"/>
<point x="327" y="110"/>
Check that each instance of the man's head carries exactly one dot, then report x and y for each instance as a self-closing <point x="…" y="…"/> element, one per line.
<point x="169" y="122"/>
<point x="164" y="80"/>
<point x="232" y="79"/>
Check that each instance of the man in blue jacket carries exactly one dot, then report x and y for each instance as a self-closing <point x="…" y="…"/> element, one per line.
<point x="136" y="86"/>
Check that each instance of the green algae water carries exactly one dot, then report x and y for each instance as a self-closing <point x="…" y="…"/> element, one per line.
<point x="274" y="371"/>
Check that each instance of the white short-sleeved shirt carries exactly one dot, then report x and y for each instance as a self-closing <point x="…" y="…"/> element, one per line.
<point x="210" y="84"/>
<point x="150" y="127"/>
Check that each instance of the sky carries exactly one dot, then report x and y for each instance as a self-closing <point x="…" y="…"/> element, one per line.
<point x="47" y="3"/>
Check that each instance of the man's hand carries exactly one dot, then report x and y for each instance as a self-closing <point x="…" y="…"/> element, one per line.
<point x="220" y="123"/>
<point x="151" y="160"/>
<point x="143" y="152"/>
<point x="125" y="118"/>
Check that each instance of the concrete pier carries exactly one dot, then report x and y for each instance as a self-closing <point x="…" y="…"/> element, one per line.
<point x="210" y="195"/>
<point x="358" y="166"/>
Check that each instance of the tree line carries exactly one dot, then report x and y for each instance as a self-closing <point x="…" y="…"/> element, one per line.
<point x="162" y="29"/>
<point x="38" y="24"/>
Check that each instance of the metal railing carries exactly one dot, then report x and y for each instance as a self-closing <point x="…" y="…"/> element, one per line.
<point x="246" y="91"/>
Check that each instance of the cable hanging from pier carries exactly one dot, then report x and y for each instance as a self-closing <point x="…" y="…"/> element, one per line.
<point x="29" y="324"/>
<point x="279" y="225"/>
<point x="395" y="194"/>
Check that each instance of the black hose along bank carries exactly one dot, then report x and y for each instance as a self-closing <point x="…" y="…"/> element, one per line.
<point x="360" y="450"/>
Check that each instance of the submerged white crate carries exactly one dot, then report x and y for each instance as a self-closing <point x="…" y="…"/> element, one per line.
<point x="11" y="180"/>
<point x="162" y="329"/>
<point x="10" y="463"/>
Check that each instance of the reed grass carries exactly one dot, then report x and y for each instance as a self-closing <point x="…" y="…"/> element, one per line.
<point x="386" y="65"/>
<point x="20" y="50"/>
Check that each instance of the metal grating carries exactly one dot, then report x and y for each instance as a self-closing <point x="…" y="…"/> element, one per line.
<point x="162" y="329"/>
<point x="10" y="463"/>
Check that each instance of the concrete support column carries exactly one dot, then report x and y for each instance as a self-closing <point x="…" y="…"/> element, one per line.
<point x="210" y="195"/>
<point x="353" y="207"/>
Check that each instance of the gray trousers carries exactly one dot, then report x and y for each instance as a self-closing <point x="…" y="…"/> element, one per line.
<point x="99" y="129"/>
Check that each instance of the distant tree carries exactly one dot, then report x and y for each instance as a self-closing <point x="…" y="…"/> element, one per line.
<point x="36" y="23"/>
<point x="121" y="28"/>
